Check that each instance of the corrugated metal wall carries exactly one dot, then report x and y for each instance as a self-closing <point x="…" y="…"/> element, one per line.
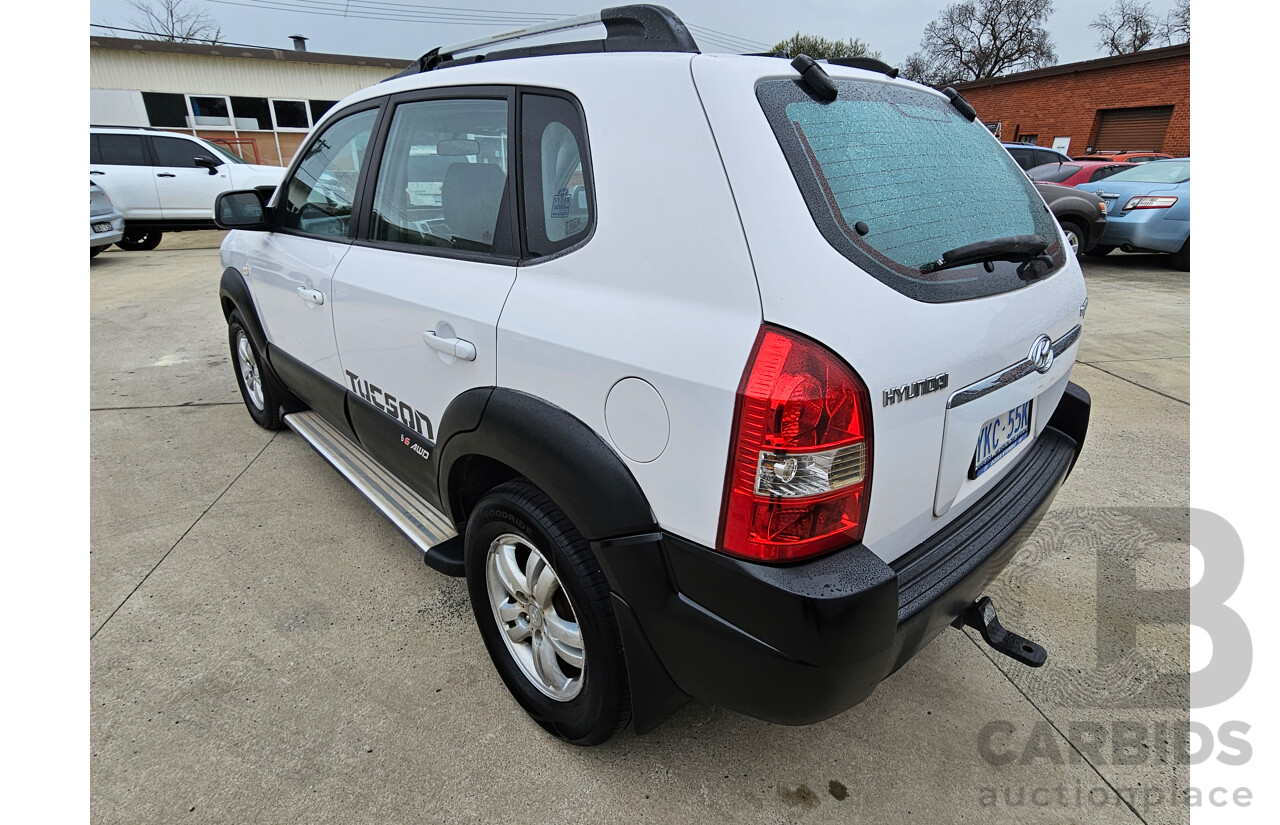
<point x="200" y="74"/>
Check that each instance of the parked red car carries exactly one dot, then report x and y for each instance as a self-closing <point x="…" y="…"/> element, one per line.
<point x="1076" y="172"/>
<point x="1130" y="157"/>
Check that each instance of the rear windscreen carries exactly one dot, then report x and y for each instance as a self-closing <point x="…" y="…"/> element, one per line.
<point x="1052" y="172"/>
<point x="894" y="177"/>
<point x="1157" y="171"/>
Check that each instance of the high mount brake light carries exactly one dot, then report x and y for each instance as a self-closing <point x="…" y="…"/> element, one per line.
<point x="800" y="467"/>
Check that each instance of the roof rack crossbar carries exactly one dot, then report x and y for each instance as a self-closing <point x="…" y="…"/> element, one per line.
<point x="637" y="28"/>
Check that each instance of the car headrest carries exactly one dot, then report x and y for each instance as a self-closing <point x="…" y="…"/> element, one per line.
<point x="471" y="195"/>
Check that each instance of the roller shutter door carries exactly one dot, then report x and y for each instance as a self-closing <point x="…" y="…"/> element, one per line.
<point x="1132" y="130"/>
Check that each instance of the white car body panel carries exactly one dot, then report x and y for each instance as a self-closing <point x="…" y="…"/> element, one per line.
<point x="276" y="265"/>
<point x="385" y="301"/>
<point x="888" y="338"/>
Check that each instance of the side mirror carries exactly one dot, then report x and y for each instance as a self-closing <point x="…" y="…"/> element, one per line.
<point x="209" y="163"/>
<point x="242" y="209"/>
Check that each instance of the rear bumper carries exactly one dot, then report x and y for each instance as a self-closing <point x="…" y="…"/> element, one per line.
<point x="109" y="236"/>
<point x="1146" y="229"/>
<point x="1097" y="229"/>
<point x="801" y="643"/>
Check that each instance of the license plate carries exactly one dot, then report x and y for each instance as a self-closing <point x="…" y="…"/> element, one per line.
<point x="1000" y="435"/>
<point x="102" y="227"/>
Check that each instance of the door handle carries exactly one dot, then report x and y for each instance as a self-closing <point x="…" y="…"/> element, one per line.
<point x="458" y="348"/>
<point x="315" y="296"/>
<point x="96" y="172"/>
<point x="166" y="175"/>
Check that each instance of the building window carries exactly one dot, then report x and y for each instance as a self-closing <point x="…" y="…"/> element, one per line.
<point x="1031" y="139"/>
<point x="207" y="110"/>
<point x="166" y="110"/>
<point x="291" y="115"/>
<point x="319" y="107"/>
<point x="252" y="113"/>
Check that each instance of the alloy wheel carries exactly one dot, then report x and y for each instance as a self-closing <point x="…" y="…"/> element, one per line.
<point x="535" y="617"/>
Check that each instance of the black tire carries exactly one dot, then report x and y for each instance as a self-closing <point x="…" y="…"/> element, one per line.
<point x="516" y="511"/>
<point x="260" y="394"/>
<point x="94" y="251"/>
<point x="1100" y="250"/>
<point x="1073" y="228"/>
<point x="1182" y="258"/>
<point x="140" y="240"/>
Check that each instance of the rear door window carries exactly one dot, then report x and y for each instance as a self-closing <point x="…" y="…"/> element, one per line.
<point x="894" y="177"/>
<point x="443" y="175"/>
<point x="1043" y="157"/>
<point x="1025" y="158"/>
<point x="122" y="150"/>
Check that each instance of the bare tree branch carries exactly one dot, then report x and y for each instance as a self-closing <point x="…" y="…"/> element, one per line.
<point x="1126" y="28"/>
<point x="1177" y="24"/>
<point x="175" y="20"/>
<point x="978" y="39"/>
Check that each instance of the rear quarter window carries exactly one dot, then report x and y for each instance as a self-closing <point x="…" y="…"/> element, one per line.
<point x="894" y="176"/>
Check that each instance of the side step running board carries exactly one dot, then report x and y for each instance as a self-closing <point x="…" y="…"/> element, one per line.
<point x="425" y="526"/>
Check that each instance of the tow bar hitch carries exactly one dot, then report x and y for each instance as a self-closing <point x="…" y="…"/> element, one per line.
<point x="981" y="615"/>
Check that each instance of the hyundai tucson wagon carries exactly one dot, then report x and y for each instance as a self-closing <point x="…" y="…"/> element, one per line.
<point x="703" y="391"/>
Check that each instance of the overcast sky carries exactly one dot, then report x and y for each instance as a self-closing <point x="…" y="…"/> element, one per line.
<point x="891" y="26"/>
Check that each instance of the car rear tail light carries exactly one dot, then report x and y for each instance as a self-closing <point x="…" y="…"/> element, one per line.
<point x="800" y="466"/>
<point x="1150" y="202"/>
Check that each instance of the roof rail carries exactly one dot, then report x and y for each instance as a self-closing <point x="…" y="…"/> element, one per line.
<point x="637" y="28"/>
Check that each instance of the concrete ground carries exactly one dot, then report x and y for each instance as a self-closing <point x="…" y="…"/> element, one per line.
<point x="267" y="648"/>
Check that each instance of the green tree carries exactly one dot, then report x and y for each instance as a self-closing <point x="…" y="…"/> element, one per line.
<point x="820" y="47"/>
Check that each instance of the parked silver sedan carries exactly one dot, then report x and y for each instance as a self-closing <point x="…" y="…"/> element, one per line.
<point x="106" y="224"/>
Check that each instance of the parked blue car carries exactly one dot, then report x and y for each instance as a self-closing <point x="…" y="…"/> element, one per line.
<point x="1149" y="210"/>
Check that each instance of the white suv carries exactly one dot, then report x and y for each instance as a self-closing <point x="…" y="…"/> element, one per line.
<point x="705" y="391"/>
<point x="166" y="181"/>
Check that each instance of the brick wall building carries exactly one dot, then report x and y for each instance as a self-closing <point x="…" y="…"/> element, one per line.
<point x="1109" y="104"/>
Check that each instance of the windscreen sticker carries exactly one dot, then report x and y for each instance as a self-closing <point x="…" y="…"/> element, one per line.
<point x="560" y="202"/>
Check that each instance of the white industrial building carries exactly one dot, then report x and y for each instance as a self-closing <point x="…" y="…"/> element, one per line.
<point x="259" y="102"/>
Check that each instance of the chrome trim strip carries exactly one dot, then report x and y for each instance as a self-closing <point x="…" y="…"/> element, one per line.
<point x="1062" y="344"/>
<point x="1009" y="374"/>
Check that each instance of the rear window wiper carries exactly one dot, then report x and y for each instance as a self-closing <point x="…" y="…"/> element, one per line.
<point x="1022" y="248"/>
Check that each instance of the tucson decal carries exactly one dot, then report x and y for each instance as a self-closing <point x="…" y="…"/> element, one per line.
<point x="391" y="405"/>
